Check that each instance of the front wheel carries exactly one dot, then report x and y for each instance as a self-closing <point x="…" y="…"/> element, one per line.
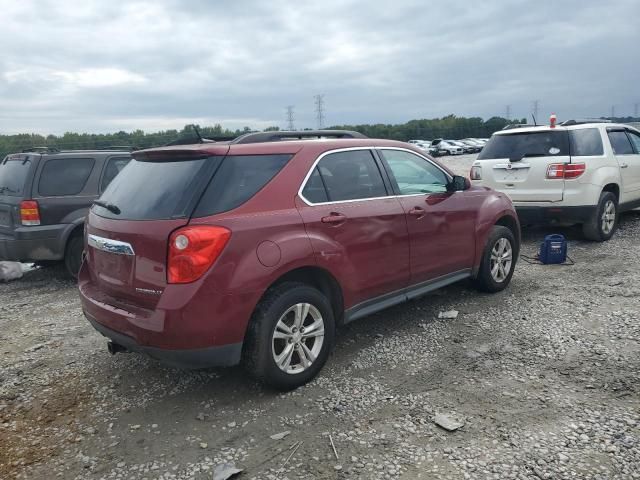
<point x="604" y="220"/>
<point x="498" y="260"/>
<point x="290" y="336"/>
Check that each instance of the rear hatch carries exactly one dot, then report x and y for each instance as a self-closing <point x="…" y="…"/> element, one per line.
<point x="516" y="163"/>
<point x="14" y="172"/>
<point x="129" y="226"/>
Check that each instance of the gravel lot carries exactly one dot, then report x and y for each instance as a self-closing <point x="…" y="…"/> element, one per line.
<point x="544" y="376"/>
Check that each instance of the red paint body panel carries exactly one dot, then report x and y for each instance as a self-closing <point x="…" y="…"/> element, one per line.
<point x="378" y="249"/>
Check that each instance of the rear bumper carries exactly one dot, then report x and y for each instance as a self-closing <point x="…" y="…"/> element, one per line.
<point x="34" y="243"/>
<point x="536" y="215"/>
<point x="219" y="356"/>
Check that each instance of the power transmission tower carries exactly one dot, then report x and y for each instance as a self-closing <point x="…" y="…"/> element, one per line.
<point x="507" y="111"/>
<point x="635" y="109"/>
<point x="613" y="111"/>
<point x="290" y="126"/>
<point x="320" y="110"/>
<point x="536" y="105"/>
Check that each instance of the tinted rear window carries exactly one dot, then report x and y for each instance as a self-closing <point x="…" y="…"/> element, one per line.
<point x="13" y="175"/>
<point x="64" y="176"/>
<point x="238" y="179"/>
<point x="157" y="190"/>
<point x="586" y="142"/>
<point x="533" y="144"/>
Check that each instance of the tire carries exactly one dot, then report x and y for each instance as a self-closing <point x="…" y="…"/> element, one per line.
<point x="490" y="279"/>
<point x="599" y="228"/>
<point x="281" y="308"/>
<point x="73" y="254"/>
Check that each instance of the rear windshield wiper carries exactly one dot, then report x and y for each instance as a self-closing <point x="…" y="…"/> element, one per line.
<point x="109" y="206"/>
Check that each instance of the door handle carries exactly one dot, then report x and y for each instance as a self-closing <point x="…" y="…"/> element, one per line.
<point x="417" y="212"/>
<point x="334" y="218"/>
<point x="623" y="165"/>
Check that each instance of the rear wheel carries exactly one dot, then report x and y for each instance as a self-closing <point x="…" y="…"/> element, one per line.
<point x="498" y="260"/>
<point x="290" y="336"/>
<point x="604" y="220"/>
<point x="73" y="254"/>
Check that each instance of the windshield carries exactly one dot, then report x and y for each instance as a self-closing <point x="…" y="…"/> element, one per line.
<point x="13" y="174"/>
<point x="515" y="146"/>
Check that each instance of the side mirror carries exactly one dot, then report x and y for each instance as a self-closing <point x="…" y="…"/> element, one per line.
<point x="458" y="184"/>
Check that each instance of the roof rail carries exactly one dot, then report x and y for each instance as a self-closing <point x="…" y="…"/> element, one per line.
<point x="582" y="121"/>
<point x="129" y="148"/>
<point x="40" y="149"/>
<point x="518" y="125"/>
<point x="279" y="136"/>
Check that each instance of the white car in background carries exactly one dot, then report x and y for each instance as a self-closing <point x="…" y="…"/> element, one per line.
<point x="447" y="148"/>
<point x="580" y="172"/>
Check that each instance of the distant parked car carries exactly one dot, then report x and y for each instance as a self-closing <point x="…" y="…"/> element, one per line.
<point x="45" y="195"/>
<point x="446" y="148"/>
<point x="579" y="172"/>
<point x="256" y="250"/>
<point x="465" y="147"/>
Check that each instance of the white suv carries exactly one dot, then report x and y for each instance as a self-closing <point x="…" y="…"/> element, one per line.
<point x="577" y="172"/>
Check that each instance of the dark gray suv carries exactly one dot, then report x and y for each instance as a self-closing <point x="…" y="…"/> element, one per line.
<point x="45" y="195"/>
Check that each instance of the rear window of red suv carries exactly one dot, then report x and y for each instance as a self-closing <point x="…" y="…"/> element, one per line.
<point x="161" y="190"/>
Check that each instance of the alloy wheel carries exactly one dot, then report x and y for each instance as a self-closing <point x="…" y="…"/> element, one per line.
<point x="608" y="217"/>
<point x="501" y="260"/>
<point x="297" y="338"/>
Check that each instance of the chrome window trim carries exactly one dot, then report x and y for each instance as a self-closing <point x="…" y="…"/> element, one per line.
<point x="109" y="245"/>
<point x="351" y="149"/>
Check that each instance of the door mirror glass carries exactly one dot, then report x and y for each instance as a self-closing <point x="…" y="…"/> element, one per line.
<point x="458" y="184"/>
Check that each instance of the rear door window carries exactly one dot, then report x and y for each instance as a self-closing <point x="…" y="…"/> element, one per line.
<point x="585" y="142"/>
<point x="620" y="143"/>
<point x="238" y="179"/>
<point x="114" y="167"/>
<point x="13" y="175"/>
<point x="64" y="176"/>
<point x="516" y="146"/>
<point x="314" y="191"/>
<point x="157" y="190"/>
<point x="351" y="175"/>
<point x="635" y="140"/>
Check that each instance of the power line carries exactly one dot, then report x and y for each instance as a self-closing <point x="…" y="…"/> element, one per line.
<point x="290" y="126"/>
<point x="319" y="101"/>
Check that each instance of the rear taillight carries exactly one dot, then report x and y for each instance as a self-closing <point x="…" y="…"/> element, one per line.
<point x="475" y="173"/>
<point x="565" y="171"/>
<point x="29" y="212"/>
<point x="192" y="250"/>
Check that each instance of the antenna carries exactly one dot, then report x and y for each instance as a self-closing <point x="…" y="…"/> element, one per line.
<point x="320" y="110"/>
<point x="195" y="129"/>
<point x="534" y="119"/>
<point x="536" y="105"/>
<point x="290" y="118"/>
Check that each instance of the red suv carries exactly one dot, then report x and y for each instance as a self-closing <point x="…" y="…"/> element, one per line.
<point x="255" y="250"/>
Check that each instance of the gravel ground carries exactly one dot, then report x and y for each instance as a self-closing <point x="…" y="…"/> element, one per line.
<point x="544" y="378"/>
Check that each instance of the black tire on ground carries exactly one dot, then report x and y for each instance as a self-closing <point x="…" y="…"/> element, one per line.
<point x="595" y="228"/>
<point x="258" y="352"/>
<point x="485" y="280"/>
<point x="73" y="254"/>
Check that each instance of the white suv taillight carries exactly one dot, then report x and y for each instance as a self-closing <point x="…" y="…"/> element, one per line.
<point x="566" y="171"/>
<point x="475" y="173"/>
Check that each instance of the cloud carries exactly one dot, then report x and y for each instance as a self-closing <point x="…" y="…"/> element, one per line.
<point x="104" y="66"/>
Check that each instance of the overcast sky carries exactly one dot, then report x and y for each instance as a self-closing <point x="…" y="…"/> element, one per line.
<point x="106" y="66"/>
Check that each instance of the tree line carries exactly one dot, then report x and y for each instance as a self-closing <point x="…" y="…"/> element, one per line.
<point x="451" y="127"/>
